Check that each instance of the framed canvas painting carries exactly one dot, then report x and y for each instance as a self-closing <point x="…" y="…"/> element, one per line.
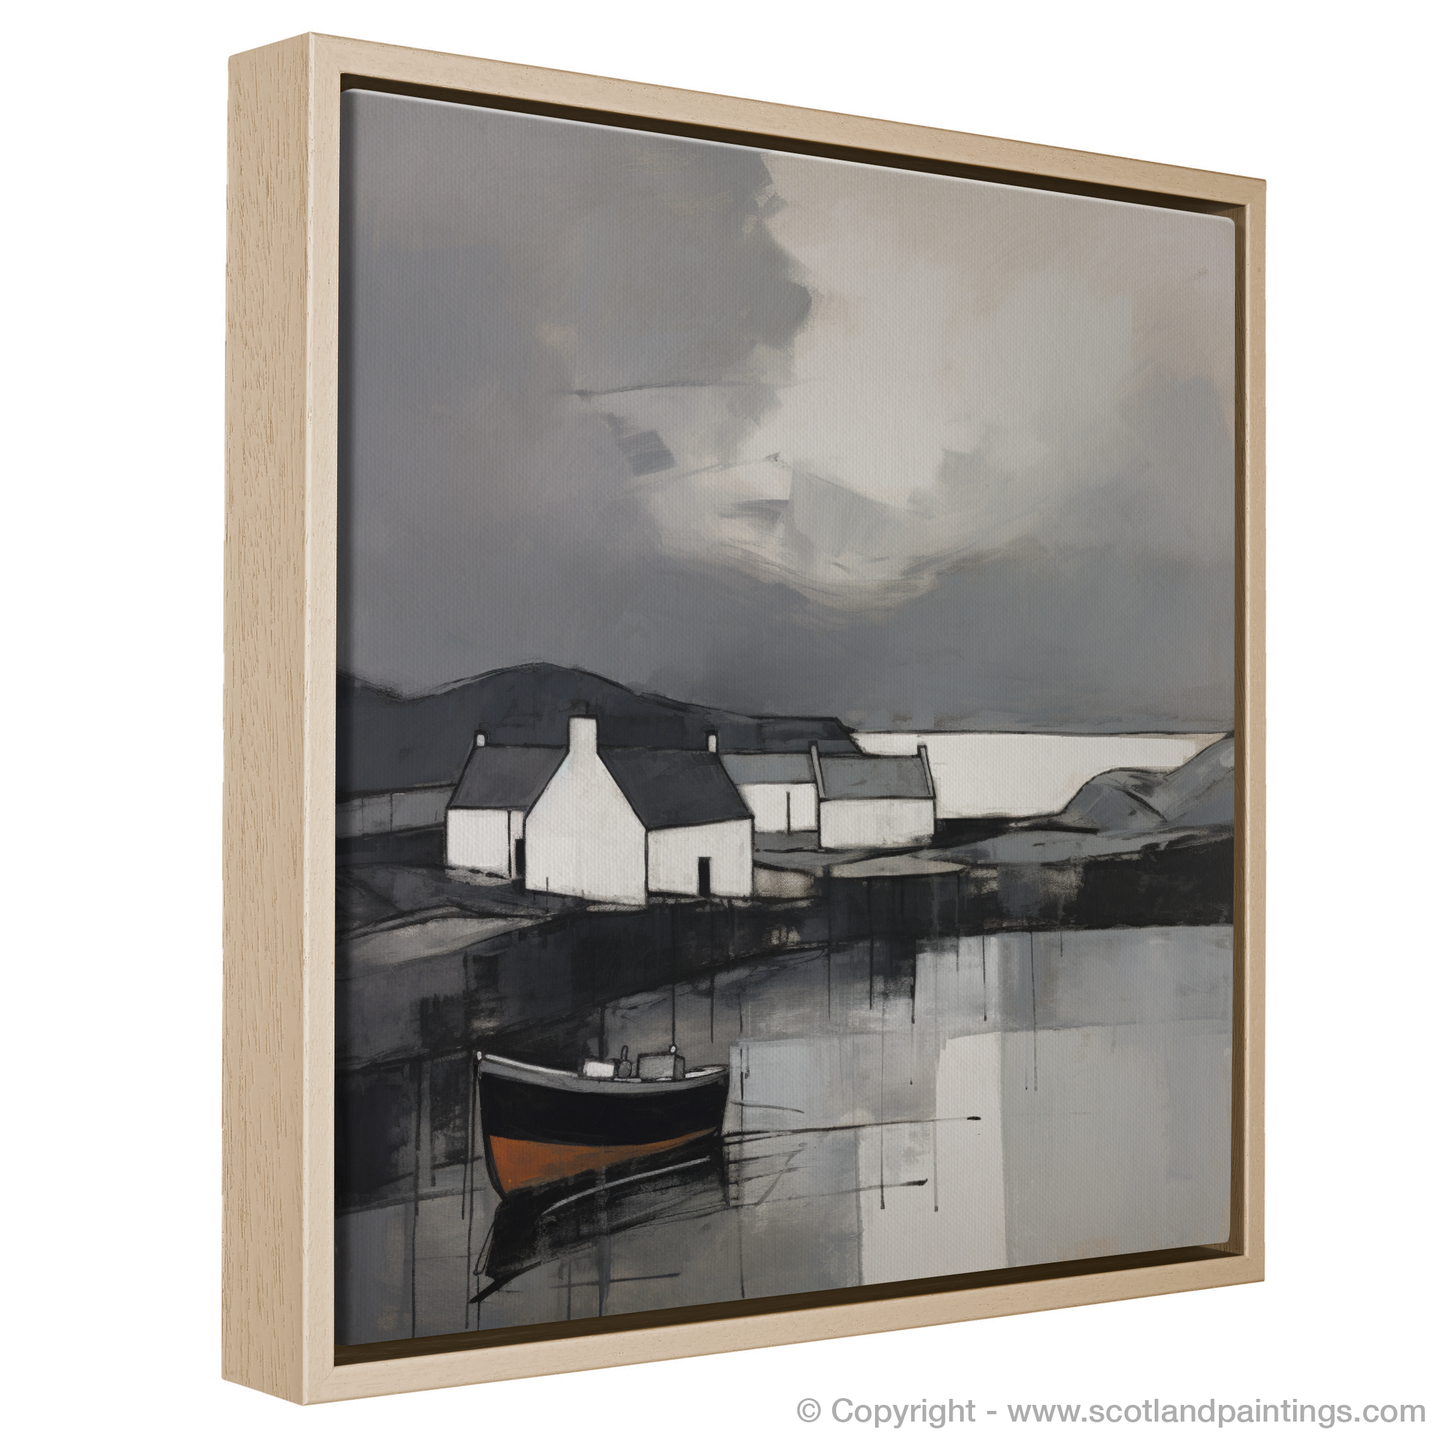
<point x="745" y="724"/>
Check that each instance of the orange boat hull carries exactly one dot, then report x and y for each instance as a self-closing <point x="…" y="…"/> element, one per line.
<point x="526" y="1163"/>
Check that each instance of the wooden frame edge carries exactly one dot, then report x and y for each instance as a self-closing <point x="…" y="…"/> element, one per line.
<point x="281" y="370"/>
<point x="671" y="1342"/>
<point x="264" y="1127"/>
<point x="700" y="110"/>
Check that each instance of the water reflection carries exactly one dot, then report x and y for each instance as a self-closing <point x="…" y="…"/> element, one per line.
<point x="546" y="1226"/>
<point x="966" y="1104"/>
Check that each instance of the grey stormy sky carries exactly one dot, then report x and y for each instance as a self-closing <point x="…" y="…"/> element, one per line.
<point x="779" y="433"/>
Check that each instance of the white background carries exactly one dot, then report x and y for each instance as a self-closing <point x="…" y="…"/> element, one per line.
<point x="115" y="166"/>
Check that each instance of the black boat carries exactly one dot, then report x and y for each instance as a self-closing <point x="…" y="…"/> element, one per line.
<point x="542" y="1125"/>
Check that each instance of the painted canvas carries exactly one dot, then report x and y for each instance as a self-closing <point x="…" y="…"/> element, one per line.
<point x="785" y="800"/>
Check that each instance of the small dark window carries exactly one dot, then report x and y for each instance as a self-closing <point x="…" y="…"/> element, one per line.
<point x="704" y="877"/>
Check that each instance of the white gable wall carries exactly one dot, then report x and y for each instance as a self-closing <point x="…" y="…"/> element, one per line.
<point x="775" y="805"/>
<point x="582" y="836"/>
<point x="875" y="822"/>
<point x="479" y="838"/>
<point x="672" y="855"/>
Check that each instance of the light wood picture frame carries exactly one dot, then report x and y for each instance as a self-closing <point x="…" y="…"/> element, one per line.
<point x="281" y="619"/>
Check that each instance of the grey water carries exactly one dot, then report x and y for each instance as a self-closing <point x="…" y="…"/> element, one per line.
<point x="976" y="1103"/>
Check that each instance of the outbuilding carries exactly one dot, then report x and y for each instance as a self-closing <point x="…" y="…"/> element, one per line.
<point x="487" y="813"/>
<point x="874" y="802"/>
<point x="779" y="789"/>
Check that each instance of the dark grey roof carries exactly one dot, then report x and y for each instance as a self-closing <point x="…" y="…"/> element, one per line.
<point x="673" y="787"/>
<point x="768" y="767"/>
<point x="874" y="777"/>
<point x="505" y="777"/>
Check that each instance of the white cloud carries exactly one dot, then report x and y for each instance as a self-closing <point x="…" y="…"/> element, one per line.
<point x="972" y="367"/>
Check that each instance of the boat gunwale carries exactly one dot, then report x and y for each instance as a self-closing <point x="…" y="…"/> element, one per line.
<point x="498" y="1067"/>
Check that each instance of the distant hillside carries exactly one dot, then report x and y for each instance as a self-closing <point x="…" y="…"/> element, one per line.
<point x="386" y="741"/>
<point x="1197" y="794"/>
<point x="1123" y="813"/>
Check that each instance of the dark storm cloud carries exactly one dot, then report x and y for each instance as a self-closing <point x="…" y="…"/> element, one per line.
<point x="735" y="428"/>
<point x="512" y="281"/>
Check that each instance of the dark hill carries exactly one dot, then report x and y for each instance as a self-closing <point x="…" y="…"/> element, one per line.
<point x="387" y="741"/>
<point x="1197" y="794"/>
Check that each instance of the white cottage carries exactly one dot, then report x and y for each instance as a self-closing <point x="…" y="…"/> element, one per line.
<point x="486" y="815"/>
<point x="779" y="789"/>
<point x="616" y="824"/>
<point x="873" y="802"/>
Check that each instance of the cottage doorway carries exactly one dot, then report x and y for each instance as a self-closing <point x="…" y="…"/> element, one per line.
<point x="704" y="877"/>
<point x="519" y="867"/>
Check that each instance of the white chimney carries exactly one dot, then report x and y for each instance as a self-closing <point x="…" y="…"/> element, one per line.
<point x="582" y="736"/>
<point x="712" y="742"/>
<point x="481" y="740"/>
